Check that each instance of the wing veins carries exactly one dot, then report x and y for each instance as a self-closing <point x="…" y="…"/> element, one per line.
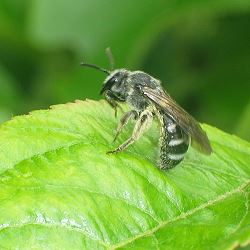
<point x="189" y="125"/>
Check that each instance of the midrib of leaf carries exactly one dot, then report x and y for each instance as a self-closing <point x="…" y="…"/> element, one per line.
<point x="244" y="216"/>
<point x="184" y="215"/>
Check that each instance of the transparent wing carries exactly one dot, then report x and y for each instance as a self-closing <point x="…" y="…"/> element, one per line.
<point x="189" y="125"/>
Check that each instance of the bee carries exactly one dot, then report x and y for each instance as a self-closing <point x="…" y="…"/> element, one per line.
<point x="148" y="100"/>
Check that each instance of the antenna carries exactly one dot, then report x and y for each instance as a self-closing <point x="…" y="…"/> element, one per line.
<point x="110" y="58"/>
<point x="95" y="67"/>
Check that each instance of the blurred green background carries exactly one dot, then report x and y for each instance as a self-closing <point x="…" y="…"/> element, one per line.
<point x="199" y="49"/>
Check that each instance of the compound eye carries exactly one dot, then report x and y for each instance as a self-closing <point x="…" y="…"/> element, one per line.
<point x="116" y="80"/>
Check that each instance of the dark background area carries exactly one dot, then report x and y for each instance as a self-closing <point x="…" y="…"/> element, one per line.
<point x="199" y="49"/>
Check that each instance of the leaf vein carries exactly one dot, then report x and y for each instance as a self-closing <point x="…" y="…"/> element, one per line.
<point x="183" y="215"/>
<point x="244" y="216"/>
<point x="75" y="229"/>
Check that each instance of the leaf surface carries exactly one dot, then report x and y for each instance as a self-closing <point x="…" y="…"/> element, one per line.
<point x="59" y="189"/>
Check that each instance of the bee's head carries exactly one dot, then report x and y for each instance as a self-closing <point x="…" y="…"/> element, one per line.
<point x="115" y="85"/>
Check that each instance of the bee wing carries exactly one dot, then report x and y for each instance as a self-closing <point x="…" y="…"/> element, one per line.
<point x="189" y="125"/>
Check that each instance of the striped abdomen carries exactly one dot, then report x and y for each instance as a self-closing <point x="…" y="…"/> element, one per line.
<point x="173" y="144"/>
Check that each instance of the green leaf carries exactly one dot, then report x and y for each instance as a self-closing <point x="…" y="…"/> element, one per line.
<point x="60" y="190"/>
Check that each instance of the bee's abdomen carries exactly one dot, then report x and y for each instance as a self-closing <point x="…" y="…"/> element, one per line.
<point x="173" y="144"/>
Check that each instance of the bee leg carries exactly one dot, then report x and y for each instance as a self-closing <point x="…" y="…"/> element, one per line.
<point x="113" y="103"/>
<point x="124" y="120"/>
<point x="141" y="126"/>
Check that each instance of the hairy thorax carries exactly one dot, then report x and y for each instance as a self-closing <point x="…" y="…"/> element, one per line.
<point x="136" y="101"/>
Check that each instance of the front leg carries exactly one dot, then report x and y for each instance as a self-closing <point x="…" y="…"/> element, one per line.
<point x="112" y="103"/>
<point x="142" y="125"/>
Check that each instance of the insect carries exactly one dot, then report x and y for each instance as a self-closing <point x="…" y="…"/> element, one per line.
<point x="148" y="100"/>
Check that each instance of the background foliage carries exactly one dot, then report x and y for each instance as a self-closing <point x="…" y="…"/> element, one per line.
<point x="199" y="49"/>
